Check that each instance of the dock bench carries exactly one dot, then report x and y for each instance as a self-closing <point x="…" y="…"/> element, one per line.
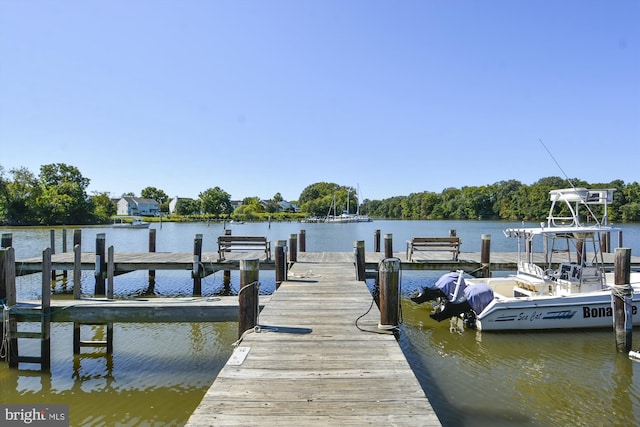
<point x="243" y="244"/>
<point x="443" y="244"/>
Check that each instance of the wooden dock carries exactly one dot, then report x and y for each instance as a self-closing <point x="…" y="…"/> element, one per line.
<point x="311" y="364"/>
<point x="126" y="262"/>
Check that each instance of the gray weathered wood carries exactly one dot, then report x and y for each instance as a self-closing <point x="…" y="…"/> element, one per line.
<point x="310" y="364"/>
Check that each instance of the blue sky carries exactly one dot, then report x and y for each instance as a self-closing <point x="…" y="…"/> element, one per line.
<point x="260" y="97"/>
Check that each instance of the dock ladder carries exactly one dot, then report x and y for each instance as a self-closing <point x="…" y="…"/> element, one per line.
<point x="10" y="332"/>
<point x="103" y="270"/>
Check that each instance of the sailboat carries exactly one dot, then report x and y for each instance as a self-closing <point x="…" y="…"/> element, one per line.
<point x="345" y="216"/>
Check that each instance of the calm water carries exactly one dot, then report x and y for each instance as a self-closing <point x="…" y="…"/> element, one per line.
<point x="159" y="372"/>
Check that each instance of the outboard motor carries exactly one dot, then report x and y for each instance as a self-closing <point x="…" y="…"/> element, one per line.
<point x="476" y="298"/>
<point x="445" y="287"/>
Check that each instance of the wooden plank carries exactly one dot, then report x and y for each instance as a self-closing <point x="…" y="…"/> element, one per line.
<point x="101" y="310"/>
<point x="310" y="364"/>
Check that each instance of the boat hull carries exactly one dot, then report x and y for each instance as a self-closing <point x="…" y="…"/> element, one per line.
<point x="580" y="311"/>
<point x="130" y="226"/>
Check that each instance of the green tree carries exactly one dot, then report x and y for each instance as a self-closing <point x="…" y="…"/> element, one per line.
<point x="63" y="198"/>
<point x="4" y="195"/>
<point x="631" y="212"/>
<point x="155" y="194"/>
<point x="103" y="207"/>
<point x="504" y="193"/>
<point x="187" y="207"/>
<point x="22" y="192"/>
<point x="215" y="201"/>
<point x="318" y="198"/>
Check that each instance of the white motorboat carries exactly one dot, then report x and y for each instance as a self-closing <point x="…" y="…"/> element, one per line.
<point x="562" y="286"/>
<point x="134" y="223"/>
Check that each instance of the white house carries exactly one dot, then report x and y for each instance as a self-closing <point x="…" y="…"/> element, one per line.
<point x="128" y="205"/>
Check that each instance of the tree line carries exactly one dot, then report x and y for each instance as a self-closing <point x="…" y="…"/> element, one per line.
<point x="504" y="200"/>
<point x="58" y="196"/>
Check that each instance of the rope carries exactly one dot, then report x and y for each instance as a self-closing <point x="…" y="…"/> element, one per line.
<point x="376" y="293"/>
<point x="621" y="291"/>
<point x="4" y="346"/>
<point x="306" y="274"/>
<point x="256" y="328"/>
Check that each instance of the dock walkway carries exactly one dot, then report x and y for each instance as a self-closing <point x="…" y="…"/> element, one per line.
<point x="310" y="364"/>
<point x="126" y="262"/>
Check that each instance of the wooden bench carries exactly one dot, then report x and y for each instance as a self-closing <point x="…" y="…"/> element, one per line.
<point x="444" y="244"/>
<point x="243" y="244"/>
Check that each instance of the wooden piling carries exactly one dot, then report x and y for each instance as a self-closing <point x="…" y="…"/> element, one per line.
<point x="376" y="241"/>
<point x="8" y="267"/>
<point x="7" y="282"/>
<point x="281" y="262"/>
<point x="77" y="277"/>
<point x="621" y="295"/>
<point x="248" y="295"/>
<point x="605" y="242"/>
<point x="197" y="271"/>
<point x="302" y="239"/>
<point x="485" y="255"/>
<point x="77" y="271"/>
<point x="358" y="249"/>
<point x="52" y="246"/>
<point x="388" y="246"/>
<point x="389" y="279"/>
<point x="110" y="272"/>
<point x="293" y="248"/>
<point x="77" y="237"/>
<point x="152" y="273"/>
<point x="64" y="251"/>
<point x="101" y="264"/>
<point x="226" y="274"/>
<point x="45" y="323"/>
<point x="7" y="239"/>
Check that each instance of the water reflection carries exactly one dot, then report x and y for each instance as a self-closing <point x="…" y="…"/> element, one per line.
<point x="159" y="372"/>
<point x="534" y="378"/>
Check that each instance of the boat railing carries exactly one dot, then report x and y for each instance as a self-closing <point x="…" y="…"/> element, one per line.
<point x="531" y="269"/>
<point x="574" y="199"/>
<point x="562" y="221"/>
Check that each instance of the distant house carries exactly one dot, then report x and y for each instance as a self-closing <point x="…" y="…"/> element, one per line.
<point x="288" y="207"/>
<point x="138" y="206"/>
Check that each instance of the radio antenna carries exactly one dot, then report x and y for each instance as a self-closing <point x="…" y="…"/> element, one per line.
<point x="584" y="201"/>
<point x="557" y="164"/>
